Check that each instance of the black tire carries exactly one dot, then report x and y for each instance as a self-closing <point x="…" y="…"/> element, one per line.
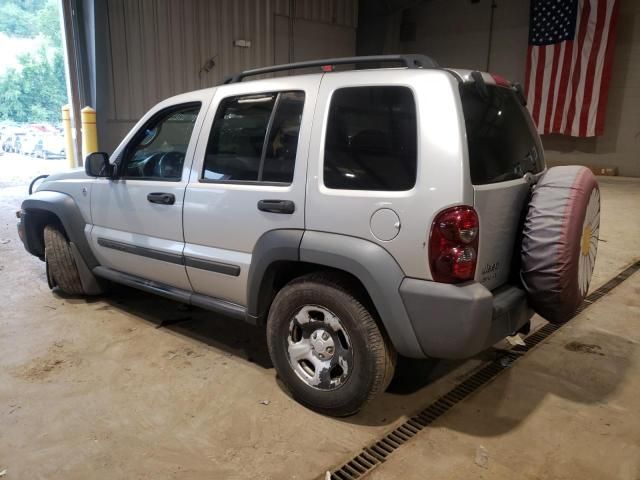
<point x="373" y="357"/>
<point x="61" y="267"/>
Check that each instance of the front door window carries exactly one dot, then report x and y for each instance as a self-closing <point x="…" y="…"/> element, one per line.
<point x="158" y="151"/>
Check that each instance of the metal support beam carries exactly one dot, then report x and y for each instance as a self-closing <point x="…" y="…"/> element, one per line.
<point x="84" y="30"/>
<point x="71" y="73"/>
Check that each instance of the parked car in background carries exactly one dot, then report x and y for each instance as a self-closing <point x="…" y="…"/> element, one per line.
<point x="7" y="129"/>
<point x="43" y="128"/>
<point x="13" y="141"/>
<point x="51" y="146"/>
<point x="30" y="144"/>
<point x="6" y="141"/>
<point x="39" y="140"/>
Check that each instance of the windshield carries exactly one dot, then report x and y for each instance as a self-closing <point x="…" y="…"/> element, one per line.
<point x="502" y="140"/>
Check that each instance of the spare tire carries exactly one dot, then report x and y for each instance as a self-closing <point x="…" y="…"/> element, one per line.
<point x="560" y="241"/>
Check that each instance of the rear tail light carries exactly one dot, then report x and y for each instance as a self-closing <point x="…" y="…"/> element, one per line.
<point x="500" y="80"/>
<point x="453" y="245"/>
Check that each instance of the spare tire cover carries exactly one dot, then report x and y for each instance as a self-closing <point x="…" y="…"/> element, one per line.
<point x="560" y="241"/>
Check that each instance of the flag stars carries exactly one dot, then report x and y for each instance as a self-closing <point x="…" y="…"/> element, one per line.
<point x="552" y="21"/>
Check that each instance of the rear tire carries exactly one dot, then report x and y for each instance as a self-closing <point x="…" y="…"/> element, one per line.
<point x="61" y="267"/>
<point x="338" y="375"/>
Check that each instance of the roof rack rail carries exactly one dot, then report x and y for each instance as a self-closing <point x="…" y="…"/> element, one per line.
<point x="409" y="61"/>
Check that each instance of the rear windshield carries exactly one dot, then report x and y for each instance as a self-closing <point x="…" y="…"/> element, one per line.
<point x="503" y="143"/>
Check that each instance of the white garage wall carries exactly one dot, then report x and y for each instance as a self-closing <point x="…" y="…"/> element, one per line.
<point x="158" y="48"/>
<point x="456" y="33"/>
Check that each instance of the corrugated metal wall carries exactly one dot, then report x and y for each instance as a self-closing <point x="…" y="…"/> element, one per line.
<point x="159" y="48"/>
<point x="340" y="12"/>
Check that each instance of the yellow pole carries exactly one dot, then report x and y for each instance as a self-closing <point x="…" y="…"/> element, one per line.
<point x="68" y="140"/>
<point x="89" y="132"/>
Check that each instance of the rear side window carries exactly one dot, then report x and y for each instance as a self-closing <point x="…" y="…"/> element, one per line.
<point x="503" y="143"/>
<point x="255" y="138"/>
<point x="371" y="139"/>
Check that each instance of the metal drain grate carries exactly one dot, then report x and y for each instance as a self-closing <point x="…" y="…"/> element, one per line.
<point x="537" y="337"/>
<point x="373" y="455"/>
<point x="377" y="453"/>
<point x="610" y="285"/>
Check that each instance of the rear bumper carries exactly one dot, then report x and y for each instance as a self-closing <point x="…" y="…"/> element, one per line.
<point x="458" y="321"/>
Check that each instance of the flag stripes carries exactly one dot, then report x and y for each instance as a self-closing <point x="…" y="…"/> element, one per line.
<point x="567" y="80"/>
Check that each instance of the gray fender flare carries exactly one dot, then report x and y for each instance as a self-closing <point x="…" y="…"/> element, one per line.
<point x="66" y="209"/>
<point x="272" y="246"/>
<point x="379" y="273"/>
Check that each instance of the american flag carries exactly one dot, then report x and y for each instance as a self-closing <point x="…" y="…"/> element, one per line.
<point x="569" y="64"/>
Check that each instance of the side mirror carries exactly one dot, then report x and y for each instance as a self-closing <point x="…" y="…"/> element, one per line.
<point x="97" y="165"/>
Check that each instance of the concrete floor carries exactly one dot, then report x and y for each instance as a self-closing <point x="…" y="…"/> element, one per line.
<point x="134" y="386"/>
<point x="567" y="410"/>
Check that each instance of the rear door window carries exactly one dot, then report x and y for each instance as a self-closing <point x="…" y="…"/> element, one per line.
<point x="255" y="138"/>
<point x="502" y="140"/>
<point x="371" y="140"/>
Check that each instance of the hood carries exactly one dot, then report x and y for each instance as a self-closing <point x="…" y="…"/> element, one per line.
<point x="73" y="174"/>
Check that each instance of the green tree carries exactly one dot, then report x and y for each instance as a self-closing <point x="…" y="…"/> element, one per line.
<point x="15" y="21"/>
<point x="47" y="22"/>
<point x="36" y="90"/>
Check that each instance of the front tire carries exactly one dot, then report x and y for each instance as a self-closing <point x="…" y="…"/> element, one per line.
<point x="61" y="267"/>
<point x="326" y="346"/>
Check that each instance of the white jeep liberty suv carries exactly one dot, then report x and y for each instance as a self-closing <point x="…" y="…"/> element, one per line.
<point x="357" y="214"/>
